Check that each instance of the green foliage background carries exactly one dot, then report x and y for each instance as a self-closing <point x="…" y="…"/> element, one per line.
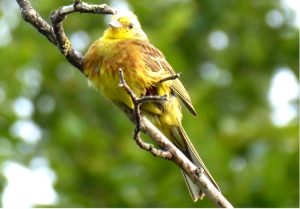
<point x="87" y="141"/>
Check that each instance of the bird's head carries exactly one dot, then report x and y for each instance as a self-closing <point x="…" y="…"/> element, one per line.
<point x="125" y="25"/>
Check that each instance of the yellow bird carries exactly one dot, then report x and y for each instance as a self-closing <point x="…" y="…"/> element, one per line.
<point x="125" y="45"/>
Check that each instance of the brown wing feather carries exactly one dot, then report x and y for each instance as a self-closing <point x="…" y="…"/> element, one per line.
<point x="156" y="61"/>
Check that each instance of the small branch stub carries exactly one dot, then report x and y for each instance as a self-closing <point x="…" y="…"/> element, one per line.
<point x="172" y="77"/>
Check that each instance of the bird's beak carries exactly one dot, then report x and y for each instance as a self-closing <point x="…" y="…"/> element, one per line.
<point x="115" y="24"/>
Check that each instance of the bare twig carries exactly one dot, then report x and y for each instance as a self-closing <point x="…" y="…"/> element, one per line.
<point x="57" y="16"/>
<point x="34" y="18"/>
<point x="55" y="34"/>
<point x="172" y="77"/>
<point x="185" y="164"/>
<point x="137" y="113"/>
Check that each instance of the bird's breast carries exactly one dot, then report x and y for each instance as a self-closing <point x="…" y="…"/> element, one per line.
<point x="103" y="71"/>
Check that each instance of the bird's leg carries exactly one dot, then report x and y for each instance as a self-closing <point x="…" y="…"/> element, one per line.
<point x="172" y="77"/>
<point x="137" y="115"/>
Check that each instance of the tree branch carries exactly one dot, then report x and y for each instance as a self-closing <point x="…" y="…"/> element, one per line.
<point x="57" y="17"/>
<point x="33" y="17"/>
<point x="137" y="118"/>
<point x="56" y="35"/>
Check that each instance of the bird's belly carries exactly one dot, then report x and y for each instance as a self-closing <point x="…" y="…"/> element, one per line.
<point x="108" y="84"/>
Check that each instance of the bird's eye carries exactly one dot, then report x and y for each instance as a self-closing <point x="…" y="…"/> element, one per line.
<point x="130" y="26"/>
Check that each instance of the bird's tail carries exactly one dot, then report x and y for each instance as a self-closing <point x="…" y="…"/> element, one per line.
<point x="182" y="141"/>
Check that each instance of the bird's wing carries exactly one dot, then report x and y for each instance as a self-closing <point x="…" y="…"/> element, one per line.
<point x="156" y="61"/>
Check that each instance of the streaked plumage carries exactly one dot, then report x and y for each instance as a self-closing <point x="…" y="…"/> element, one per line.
<point x="125" y="45"/>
